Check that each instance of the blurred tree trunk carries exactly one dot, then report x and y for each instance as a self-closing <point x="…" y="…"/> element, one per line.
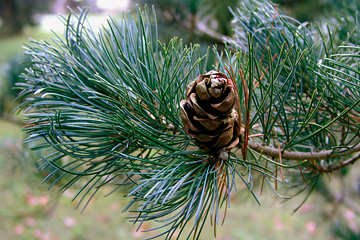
<point x="16" y="14"/>
<point x="73" y="4"/>
<point x="9" y="14"/>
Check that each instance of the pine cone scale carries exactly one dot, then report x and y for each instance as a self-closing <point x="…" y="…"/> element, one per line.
<point x="210" y="124"/>
<point x="224" y="138"/>
<point x="226" y="104"/>
<point x="207" y="112"/>
<point x="202" y="92"/>
<point x="185" y="118"/>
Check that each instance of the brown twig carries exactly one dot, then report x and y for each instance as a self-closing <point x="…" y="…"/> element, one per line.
<point x="299" y="156"/>
<point x="205" y="30"/>
<point x="341" y="165"/>
<point x="340" y="198"/>
<point x="12" y="119"/>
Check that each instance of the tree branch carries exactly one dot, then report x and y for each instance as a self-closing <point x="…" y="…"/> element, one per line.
<point x="12" y="119"/>
<point x="205" y="30"/>
<point x="339" y="166"/>
<point x="316" y="156"/>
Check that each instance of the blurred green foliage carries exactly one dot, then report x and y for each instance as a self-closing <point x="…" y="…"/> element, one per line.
<point x="303" y="10"/>
<point x="16" y="67"/>
<point x="346" y="14"/>
<point x="180" y="18"/>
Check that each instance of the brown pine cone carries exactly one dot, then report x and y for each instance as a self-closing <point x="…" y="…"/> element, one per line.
<point x="208" y="112"/>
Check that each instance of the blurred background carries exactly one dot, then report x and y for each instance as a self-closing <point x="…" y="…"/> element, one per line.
<point x="29" y="210"/>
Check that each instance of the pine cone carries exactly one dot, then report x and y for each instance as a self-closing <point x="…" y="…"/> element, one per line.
<point x="208" y="112"/>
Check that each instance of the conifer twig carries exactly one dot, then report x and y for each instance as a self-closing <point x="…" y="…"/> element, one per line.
<point x="315" y="156"/>
<point x="12" y="119"/>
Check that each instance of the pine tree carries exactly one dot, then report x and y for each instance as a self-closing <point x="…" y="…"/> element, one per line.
<point x="115" y="103"/>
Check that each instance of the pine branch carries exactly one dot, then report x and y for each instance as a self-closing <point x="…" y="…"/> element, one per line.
<point x="109" y="102"/>
<point x="297" y="96"/>
<point x="339" y="166"/>
<point x="205" y="30"/>
<point x="310" y="156"/>
<point x="12" y="119"/>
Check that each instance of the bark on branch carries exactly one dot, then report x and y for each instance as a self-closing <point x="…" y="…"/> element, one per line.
<point x="12" y="119"/>
<point x="205" y="30"/>
<point x="316" y="156"/>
